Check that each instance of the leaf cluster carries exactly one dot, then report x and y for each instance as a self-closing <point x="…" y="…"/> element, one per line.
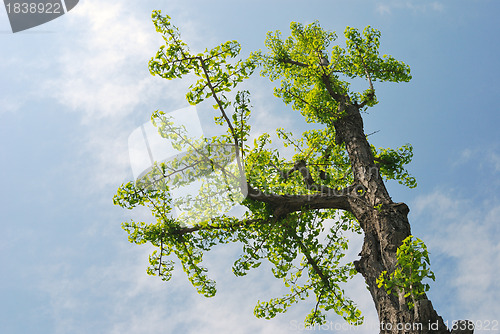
<point x="216" y="73"/>
<point x="391" y="164"/>
<point x="313" y="80"/>
<point x="303" y="277"/>
<point x="412" y="268"/>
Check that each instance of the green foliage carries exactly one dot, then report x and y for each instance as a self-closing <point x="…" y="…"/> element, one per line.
<point x="298" y="232"/>
<point x="316" y="90"/>
<point x="217" y="75"/>
<point x="163" y="234"/>
<point x="303" y="253"/>
<point x="391" y="164"/>
<point x="363" y="57"/>
<point x="412" y="268"/>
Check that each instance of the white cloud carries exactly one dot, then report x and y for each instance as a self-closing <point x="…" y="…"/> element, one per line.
<point x="383" y="9"/>
<point x="466" y="234"/>
<point x="415" y="7"/>
<point x="10" y="104"/>
<point x="494" y="159"/>
<point x="116" y="296"/>
<point x="103" y="70"/>
<point x="437" y="6"/>
<point x="103" y="76"/>
<point x="485" y="158"/>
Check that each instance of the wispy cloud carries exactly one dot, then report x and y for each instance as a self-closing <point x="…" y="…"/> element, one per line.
<point x="465" y="233"/>
<point x="10" y="104"/>
<point x="495" y="161"/>
<point x="485" y="158"/>
<point x="103" y="71"/>
<point x="387" y="8"/>
<point x="103" y="76"/>
<point x="130" y="301"/>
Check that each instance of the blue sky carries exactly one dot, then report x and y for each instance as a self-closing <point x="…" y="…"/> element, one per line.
<point x="74" y="89"/>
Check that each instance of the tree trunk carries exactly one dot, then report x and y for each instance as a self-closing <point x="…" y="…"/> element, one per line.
<point x="385" y="227"/>
<point x="384" y="232"/>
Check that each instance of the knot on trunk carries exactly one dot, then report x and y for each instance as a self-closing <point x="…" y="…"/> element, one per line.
<point x="402" y="207"/>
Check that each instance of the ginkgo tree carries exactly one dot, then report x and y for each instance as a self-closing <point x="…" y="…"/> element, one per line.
<point x="333" y="175"/>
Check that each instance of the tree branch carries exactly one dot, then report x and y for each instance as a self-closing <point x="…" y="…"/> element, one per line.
<point x="313" y="263"/>
<point x="284" y="204"/>
<point x="224" y="115"/>
<point x="337" y="97"/>
<point x="294" y="62"/>
<point x="186" y="230"/>
<point x="308" y="179"/>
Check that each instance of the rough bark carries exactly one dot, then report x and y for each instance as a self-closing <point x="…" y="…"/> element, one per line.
<point x="384" y="230"/>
